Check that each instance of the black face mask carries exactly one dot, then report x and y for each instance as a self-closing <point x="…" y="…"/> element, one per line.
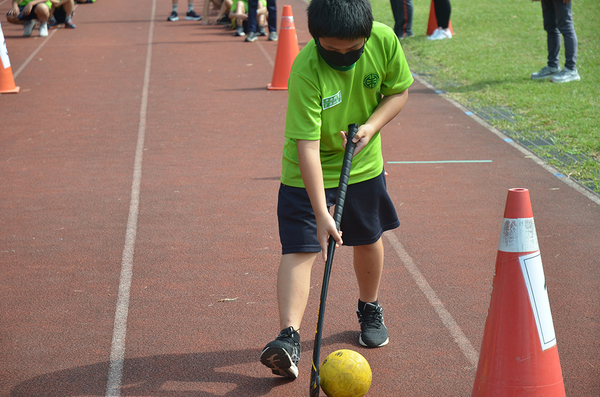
<point x="338" y="59"/>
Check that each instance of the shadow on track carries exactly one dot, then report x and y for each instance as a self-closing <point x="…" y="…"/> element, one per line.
<point x="203" y="374"/>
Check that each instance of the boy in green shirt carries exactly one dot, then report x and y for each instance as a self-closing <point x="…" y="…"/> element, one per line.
<point x="26" y="12"/>
<point x="352" y="71"/>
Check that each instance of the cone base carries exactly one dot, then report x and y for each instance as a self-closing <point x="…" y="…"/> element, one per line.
<point x="13" y="91"/>
<point x="270" y="87"/>
<point x="500" y="390"/>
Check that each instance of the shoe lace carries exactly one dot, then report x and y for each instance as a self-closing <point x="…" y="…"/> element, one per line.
<point x="371" y="318"/>
<point x="287" y="336"/>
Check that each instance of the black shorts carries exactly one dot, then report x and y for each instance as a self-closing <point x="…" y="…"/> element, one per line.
<point x="60" y="15"/>
<point x="29" y="17"/>
<point x="368" y="212"/>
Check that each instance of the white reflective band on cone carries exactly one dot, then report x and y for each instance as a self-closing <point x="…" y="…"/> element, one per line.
<point x="518" y="235"/>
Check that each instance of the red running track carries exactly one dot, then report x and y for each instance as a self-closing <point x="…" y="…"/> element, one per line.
<point x="145" y="154"/>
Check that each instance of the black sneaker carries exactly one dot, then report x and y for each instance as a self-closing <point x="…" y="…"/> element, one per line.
<point x="251" y="36"/>
<point x="373" y="332"/>
<point x="225" y="20"/>
<point x="283" y="354"/>
<point x="192" y="16"/>
<point x="261" y="31"/>
<point x="173" y="17"/>
<point x="239" y="31"/>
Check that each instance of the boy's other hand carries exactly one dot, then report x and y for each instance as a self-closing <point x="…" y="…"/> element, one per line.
<point x="14" y="10"/>
<point x="361" y="139"/>
<point x="27" y="9"/>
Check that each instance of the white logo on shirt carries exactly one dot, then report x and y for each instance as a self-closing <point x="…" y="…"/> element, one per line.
<point x="333" y="100"/>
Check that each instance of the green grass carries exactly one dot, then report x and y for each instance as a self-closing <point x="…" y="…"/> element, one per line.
<point x="488" y="63"/>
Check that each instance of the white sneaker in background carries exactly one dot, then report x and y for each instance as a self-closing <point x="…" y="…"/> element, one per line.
<point x="440" y="34"/>
<point x="43" y="29"/>
<point x="565" y="76"/>
<point x="28" y="28"/>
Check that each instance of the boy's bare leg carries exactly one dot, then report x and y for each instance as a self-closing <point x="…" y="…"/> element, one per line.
<point x="368" y="266"/>
<point x="68" y="7"/>
<point x="240" y="12"/>
<point x="293" y="287"/>
<point x="261" y="17"/>
<point x="225" y="5"/>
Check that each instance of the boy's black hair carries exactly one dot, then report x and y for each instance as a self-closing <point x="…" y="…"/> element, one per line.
<point x="342" y="19"/>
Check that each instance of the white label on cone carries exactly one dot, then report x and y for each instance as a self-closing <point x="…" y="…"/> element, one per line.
<point x="518" y="235"/>
<point x="533" y="272"/>
<point x="3" y="51"/>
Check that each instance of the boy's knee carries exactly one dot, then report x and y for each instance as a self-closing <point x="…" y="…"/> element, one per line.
<point x="13" y="19"/>
<point x="42" y="11"/>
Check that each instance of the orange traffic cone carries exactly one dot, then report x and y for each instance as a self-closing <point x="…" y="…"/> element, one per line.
<point x="287" y="49"/>
<point x="432" y="24"/>
<point x="518" y="355"/>
<point x="7" y="82"/>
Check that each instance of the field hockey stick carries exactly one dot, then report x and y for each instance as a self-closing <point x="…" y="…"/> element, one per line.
<point x="315" y="380"/>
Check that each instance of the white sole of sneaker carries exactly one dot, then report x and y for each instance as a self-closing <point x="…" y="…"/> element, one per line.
<point x="565" y="81"/>
<point x="365" y="345"/>
<point x="543" y="77"/>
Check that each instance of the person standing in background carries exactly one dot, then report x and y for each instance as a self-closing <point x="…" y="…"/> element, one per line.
<point x="403" y="17"/>
<point x="558" y="19"/>
<point x="189" y="16"/>
<point x="271" y="20"/>
<point x="443" y="9"/>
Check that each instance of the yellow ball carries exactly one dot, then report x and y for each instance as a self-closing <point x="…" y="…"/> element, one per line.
<point x="345" y="373"/>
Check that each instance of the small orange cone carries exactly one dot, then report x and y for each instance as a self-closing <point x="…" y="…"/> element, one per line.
<point x="7" y="82"/>
<point x="432" y="24"/>
<point x="518" y="355"/>
<point x="287" y="49"/>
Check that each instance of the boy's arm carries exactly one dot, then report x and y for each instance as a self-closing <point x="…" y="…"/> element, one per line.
<point x="309" y="160"/>
<point x="388" y="108"/>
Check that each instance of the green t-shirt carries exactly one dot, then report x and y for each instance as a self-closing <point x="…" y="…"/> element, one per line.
<point x="323" y="101"/>
<point x="25" y="2"/>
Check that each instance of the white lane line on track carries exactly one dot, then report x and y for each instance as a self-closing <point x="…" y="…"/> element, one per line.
<point x="271" y="62"/>
<point x="33" y="54"/>
<point x="459" y="337"/>
<point x="117" y="351"/>
<point x="440" y="162"/>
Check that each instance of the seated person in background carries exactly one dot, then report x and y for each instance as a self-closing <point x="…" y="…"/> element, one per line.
<point x="61" y="13"/>
<point x="223" y="15"/>
<point x="241" y="15"/>
<point x="27" y="12"/>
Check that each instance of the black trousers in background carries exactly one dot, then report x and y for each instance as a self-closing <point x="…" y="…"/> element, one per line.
<point x="443" y="9"/>
<point x="558" y="19"/>
<point x="272" y="20"/>
<point x="403" y="17"/>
